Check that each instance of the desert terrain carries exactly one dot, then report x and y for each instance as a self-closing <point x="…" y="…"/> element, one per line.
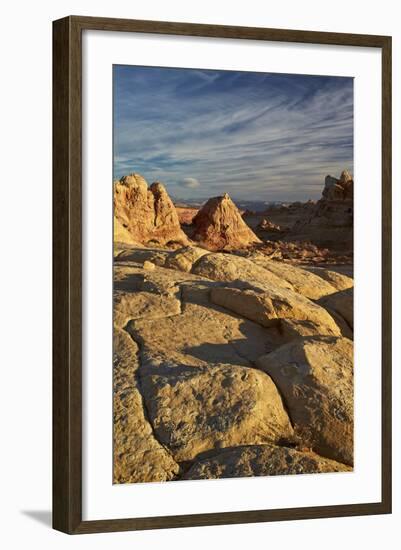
<point x="233" y="335"/>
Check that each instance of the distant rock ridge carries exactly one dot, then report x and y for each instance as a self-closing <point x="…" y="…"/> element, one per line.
<point x="330" y="220"/>
<point x="147" y="214"/>
<point x="219" y="226"/>
<point x="267" y="225"/>
<point x="339" y="189"/>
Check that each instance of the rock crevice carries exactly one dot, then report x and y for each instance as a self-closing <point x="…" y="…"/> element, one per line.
<point x="217" y="341"/>
<point x="138" y="378"/>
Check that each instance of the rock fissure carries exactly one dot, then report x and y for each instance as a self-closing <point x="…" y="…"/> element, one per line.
<point x="138" y="377"/>
<point x="242" y="355"/>
<point x="253" y="365"/>
<point x="226" y="363"/>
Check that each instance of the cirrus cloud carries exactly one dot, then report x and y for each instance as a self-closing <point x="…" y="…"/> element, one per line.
<point x="269" y="135"/>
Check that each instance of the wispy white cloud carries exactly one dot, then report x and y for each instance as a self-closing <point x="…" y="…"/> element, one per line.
<point x="271" y="136"/>
<point x="189" y="183"/>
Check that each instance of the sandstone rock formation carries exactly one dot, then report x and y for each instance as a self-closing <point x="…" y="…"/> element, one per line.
<point x="136" y="305"/>
<point x="184" y="258"/>
<point x="339" y="189"/>
<point x="261" y="460"/>
<point x="147" y="214"/>
<point x="315" y="377"/>
<point x="138" y="456"/>
<point x="330" y="221"/>
<point x="268" y="307"/>
<point x="195" y="409"/>
<point x="219" y="226"/>
<point x="225" y="367"/>
<point x="302" y="281"/>
<point x="338" y="280"/>
<point x="141" y="255"/>
<point x="121" y="233"/>
<point x="342" y="303"/>
<point x="186" y="214"/>
<point x="299" y="252"/>
<point x="267" y="225"/>
<point x="229" y="267"/>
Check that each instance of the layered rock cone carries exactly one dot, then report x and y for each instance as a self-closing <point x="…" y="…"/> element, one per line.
<point x="147" y="214"/>
<point x="220" y="226"/>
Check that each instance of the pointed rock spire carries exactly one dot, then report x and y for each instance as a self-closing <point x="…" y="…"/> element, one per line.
<point x="220" y="226"/>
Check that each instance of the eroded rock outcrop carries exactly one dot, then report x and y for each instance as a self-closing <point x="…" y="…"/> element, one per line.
<point x="302" y="281"/>
<point x="338" y="280"/>
<point x="224" y="367"/>
<point x="194" y="410"/>
<point x="315" y="377"/>
<point x="342" y="303"/>
<point x="183" y="259"/>
<point x="261" y="460"/>
<point x="228" y="267"/>
<point x="339" y="189"/>
<point x="147" y="213"/>
<point x="330" y="221"/>
<point x="138" y="456"/>
<point x="139" y="305"/>
<point x="269" y="306"/>
<point x="219" y="226"/>
<point x="270" y="227"/>
<point x="121" y="234"/>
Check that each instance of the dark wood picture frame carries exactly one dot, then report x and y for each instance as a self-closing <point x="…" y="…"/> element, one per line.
<point x="67" y="278"/>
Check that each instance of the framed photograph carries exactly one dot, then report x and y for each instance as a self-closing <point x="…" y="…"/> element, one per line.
<point x="222" y="274"/>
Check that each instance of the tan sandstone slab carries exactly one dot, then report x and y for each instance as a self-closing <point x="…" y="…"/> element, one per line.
<point x="342" y="303"/>
<point x="338" y="280"/>
<point x="302" y="281"/>
<point x="184" y="258"/>
<point x="132" y="277"/>
<point x="204" y="334"/>
<point x="121" y="233"/>
<point x="290" y="329"/>
<point x="143" y="305"/>
<point x="228" y="267"/>
<point x="193" y="410"/>
<point x="138" y="456"/>
<point x="195" y="369"/>
<point x="261" y="460"/>
<point x="267" y="307"/>
<point x="141" y="255"/>
<point x="315" y="378"/>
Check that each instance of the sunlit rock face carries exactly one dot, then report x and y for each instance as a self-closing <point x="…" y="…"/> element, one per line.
<point x="219" y="226"/>
<point x="147" y="214"/>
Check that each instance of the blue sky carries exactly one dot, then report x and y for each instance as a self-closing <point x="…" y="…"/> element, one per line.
<point x="256" y="136"/>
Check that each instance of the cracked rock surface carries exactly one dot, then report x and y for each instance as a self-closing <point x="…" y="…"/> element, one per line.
<point x="226" y="367"/>
<point x="315" y="376"/>
<point x="261" y="460"/>
<point x="138" y="455"/>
